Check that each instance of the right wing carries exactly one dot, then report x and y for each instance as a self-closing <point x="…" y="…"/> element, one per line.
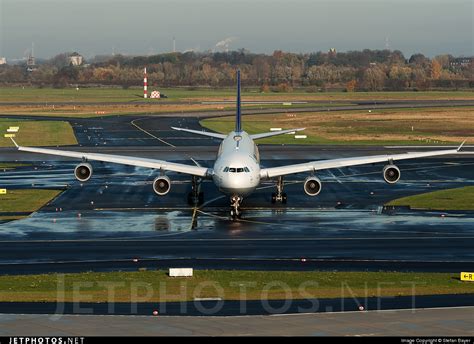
<point x="124" y="160"/>
<point x="344" y="162"/>
<point x="203" y="133"/>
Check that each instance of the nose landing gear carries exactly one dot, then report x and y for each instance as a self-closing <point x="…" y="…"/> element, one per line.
<point x="235" y="212"/>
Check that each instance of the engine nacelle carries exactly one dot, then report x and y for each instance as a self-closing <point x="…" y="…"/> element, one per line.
<point x="83" y="172"/>
<point x="161" y="185"/>
<point x="312" y="186"/>
<point x="391" y="174"/>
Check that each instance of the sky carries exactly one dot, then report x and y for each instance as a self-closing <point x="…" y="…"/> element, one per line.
<point x="142" y="27"/>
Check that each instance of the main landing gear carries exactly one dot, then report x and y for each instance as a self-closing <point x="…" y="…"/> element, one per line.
<point x="279" y="196"/>
<point x="235" y="212"/>
<point x="196" y="196"/>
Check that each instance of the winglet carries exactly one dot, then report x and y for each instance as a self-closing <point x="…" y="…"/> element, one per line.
<point x="16" y="145"/>
<point x="460" y="146"/>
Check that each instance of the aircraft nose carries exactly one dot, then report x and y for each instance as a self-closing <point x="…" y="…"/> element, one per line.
<point x="237" y="184"/>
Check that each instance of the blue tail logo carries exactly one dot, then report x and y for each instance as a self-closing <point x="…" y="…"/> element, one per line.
<point x="238" y="117"/>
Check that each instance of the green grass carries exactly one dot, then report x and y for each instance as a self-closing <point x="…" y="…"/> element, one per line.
<point x="103" y="94"/>
<point x="378" y="127"/>
<point x="11" y="165"/>
<point x="451" y="199"/>
<point x="225" y="125"/>
<point x="157" y="286"/>
<point x="108" y="94"/>
<point x="26" y="200"/>
<point x="38" y="133"/>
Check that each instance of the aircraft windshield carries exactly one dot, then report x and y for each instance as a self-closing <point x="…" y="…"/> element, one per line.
<point x="236" y="169"/>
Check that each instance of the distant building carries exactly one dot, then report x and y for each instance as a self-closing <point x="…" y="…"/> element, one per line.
<point x="332" y="52"/>
<point x="75" y="59"/>
<point x="461" y="62"/>
<point x="3" y="60"/>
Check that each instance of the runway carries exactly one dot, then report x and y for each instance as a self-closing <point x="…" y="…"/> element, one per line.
<point x="430" y="323"/>
<point x="115" y="217"/>
<point x="345" y="227"/>
<point x="116" y="222"/>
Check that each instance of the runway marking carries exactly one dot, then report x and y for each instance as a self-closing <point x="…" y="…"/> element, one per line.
<point x="141" y="208"/>
<point x="213" y="215"/>
<point x="148" y="133"/>
<point x="334" y="176"/>
<point x="193" y="218"/>
<point x="159" y="139"/>
<point x="238" y="240"/>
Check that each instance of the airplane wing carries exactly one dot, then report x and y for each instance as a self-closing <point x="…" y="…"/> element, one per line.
<point x="274" y="133"/>
<point x="344" y="162"/>
<point x="125" y="160"/>
<point x="203" y="133"/>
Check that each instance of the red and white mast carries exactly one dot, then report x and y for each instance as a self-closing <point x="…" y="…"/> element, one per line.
<point x="145" y="85"/>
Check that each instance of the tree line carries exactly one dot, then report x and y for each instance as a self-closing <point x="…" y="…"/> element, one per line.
<point x="366" y="70"/>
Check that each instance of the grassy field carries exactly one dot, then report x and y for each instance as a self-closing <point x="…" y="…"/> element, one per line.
<point x="11" y="165"/>
<point x="107" y="94"/>
<point x="38" y="133"/>
<point x="130" y="101"/>
<point x="157" y="286"/>
<point x="87" y="110"/>
<point x="380" y="127"/>
<point x="26" y="200"/>
<point x="451" y="199"/>
<point x="103" y="94"/>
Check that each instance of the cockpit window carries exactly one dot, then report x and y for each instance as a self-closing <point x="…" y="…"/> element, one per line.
<point x="236" y="169"/>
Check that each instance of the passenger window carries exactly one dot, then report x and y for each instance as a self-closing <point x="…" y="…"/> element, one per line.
<point x="240" y="170"/>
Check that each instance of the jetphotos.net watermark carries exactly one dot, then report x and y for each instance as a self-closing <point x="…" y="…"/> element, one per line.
<point x="46" y="340"/>
<point x="213" y="298"/>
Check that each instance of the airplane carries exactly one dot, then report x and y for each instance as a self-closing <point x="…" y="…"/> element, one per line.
<point x="237" y="171"/>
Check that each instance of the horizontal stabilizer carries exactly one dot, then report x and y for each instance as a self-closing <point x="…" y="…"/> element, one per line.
<point x="203" y="133"/>
<point x="274" y="133"/>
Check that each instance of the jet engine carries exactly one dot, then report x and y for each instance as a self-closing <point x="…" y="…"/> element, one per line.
<point x="161" y="185"/>
<point x="83" y="172"/>
<point x="312" y="186"/>
<point x="391" y="174"/>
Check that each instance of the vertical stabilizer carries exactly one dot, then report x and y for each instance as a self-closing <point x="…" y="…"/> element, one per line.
<point x="238" y="117"/>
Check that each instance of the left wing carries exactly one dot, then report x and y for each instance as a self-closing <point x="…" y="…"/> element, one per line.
<point x="125" y="160"/>
<point x="344" y="162"/>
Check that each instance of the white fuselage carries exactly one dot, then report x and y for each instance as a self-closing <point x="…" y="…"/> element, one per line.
<point x="237" y="166"/>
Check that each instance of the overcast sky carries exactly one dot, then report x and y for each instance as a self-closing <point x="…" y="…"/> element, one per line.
<point x="94" y="27"/>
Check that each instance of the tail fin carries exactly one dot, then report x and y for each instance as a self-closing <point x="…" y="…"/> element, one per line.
<point x="238" y="118"/>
